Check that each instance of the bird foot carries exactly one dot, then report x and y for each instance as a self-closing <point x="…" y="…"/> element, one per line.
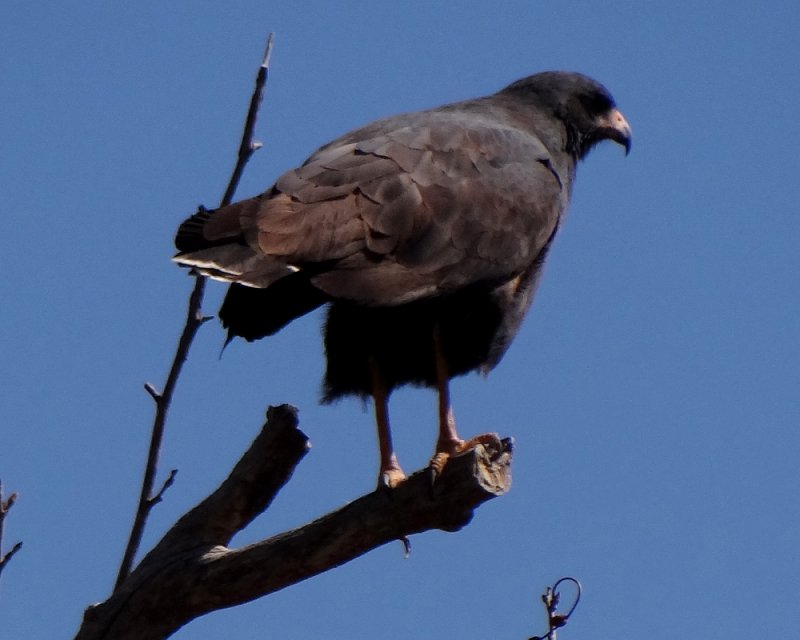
<point x="390" y="477"/>
<point x="437" y="464"/>
<point x="454" y="448"/>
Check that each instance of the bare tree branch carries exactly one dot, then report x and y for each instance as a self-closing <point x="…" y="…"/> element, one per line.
<point x="194" y="319"/>
<point x="191" y="571"/>
<point x="248" y="145"/>
<point x="167" y="484"/>
<point x="7" y="557"/>
<point x="5" y="507"/>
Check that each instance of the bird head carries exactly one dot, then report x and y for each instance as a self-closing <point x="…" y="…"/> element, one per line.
<point x="583" y="105"/>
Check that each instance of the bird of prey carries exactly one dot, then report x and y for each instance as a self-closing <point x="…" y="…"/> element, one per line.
<point x="424" y="233"/>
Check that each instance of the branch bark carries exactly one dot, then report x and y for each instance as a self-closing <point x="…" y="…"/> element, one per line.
<point x="191" y="571"/>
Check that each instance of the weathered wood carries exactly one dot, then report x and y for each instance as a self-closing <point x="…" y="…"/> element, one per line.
<point x="191" y="571"/>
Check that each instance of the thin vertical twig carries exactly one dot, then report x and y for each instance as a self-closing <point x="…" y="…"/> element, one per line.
<point x="194" y="319"/>
<point x="248" y="145"/>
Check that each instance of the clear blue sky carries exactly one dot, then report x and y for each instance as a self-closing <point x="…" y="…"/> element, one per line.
<point x="654" y="391"/>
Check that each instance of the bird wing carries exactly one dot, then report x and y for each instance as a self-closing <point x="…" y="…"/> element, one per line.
<point x="415" y="209"/>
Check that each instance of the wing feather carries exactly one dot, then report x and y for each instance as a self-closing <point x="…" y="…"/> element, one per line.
<point x="415" y="210"/>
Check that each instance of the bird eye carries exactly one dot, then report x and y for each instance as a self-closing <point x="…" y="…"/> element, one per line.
<point x="596" y="102"/>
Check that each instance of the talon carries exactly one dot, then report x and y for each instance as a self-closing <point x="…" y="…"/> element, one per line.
<point x="432" y="475"/>
<point x="455" y="448"/>
<point x="390" y="478"/>
<point x="436" y="465"/>
<point x="489" y="440"/>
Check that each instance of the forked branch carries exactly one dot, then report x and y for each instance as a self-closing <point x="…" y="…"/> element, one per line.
<point x="192" y="571"/>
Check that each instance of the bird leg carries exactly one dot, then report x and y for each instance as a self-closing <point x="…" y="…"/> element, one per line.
<point x="390" y="473"/>
<point x="448" y="444"/>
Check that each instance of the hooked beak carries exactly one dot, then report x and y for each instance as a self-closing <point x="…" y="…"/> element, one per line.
<point x="614" y="126"/>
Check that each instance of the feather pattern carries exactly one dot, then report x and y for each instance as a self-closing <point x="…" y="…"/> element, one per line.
<point x="440" y="218"/>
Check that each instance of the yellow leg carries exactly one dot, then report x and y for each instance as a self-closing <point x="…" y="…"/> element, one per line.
<point x="448" y="443"/>
<point x="390" y="474"/>
<point x="448" y="439"/>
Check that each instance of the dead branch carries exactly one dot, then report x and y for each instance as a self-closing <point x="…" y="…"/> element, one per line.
<point x="191" y="571"/>
<point x="5" y="507"/>
<point x="194" y="320"/>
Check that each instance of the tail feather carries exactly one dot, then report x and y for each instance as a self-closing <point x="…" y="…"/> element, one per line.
<point x="235" y="263"/>
<point x="256" y="313"/>
<point x="215" y="227"/>
<point x="213" y="243"/>
<point x="265" y="294"/>
<point x="190" y="235"/>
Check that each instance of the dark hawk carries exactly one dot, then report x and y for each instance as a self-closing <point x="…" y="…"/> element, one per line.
<point x="424" y="234"/>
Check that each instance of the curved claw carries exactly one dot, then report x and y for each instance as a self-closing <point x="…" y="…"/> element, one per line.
<point x="459" y="447"/>
<point x="391" y="477"/>
<point x="436" y="466"/>
<point x="490" y="440"/>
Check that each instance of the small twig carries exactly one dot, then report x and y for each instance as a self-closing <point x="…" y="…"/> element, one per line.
<point x="551" y="598"/>
<point x="167" y="484"/>
<point x="248" y="145"/>
<point x="194" y="319"/>
<point x="151" y="390"/>
<point x="5" y="506"/>
<point x="7" y="557"/>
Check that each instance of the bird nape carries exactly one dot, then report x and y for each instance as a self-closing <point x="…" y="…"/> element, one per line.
<point x="424" y="233"/>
